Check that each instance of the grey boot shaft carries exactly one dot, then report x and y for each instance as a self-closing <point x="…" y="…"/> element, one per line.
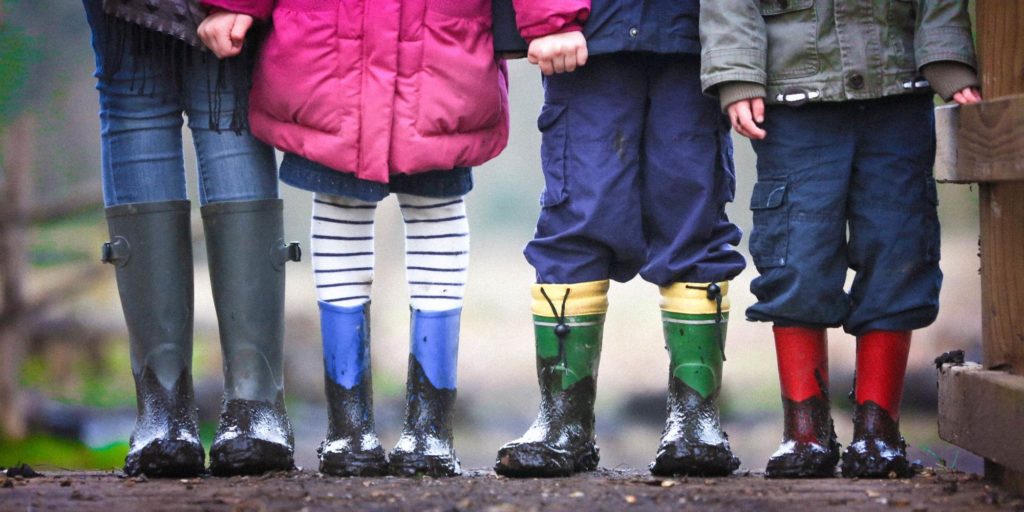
<point x="151" y="249"/>
<point x="247" y="253"/>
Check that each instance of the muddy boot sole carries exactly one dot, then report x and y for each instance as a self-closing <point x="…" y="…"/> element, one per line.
<point x="415" y="464"/>
<point x="248" y="456"/>
<point x="857" y="464"/>
<point x="372" y="463"/>
<point x="536" y="460"/>
<point x="694" y="460"/>
<point x="172" y="458"/>
<point x="803" y="464"/>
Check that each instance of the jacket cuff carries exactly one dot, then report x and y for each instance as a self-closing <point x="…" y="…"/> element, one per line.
<point x="944" y="43"/>
<point x="539" y="18"/>
<point x="259" y="9"/>
<point x="731" y="92"/>
<point x="732" y="65"/>
<point x="947" y="77"/>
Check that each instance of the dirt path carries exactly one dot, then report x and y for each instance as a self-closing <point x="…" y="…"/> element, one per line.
<point x="605" y="490"/>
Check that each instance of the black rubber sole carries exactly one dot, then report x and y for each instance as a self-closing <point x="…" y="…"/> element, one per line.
<point x="537" y="460"/>
<point x="166" y="458"/>
<point x="694" y="460"/>
<point x="415" y="464"/>
<point x="346" y="464"/>
<point x="248" y="456"/>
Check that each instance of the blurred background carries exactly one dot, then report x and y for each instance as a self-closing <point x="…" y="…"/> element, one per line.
<point x="66" y="392"/>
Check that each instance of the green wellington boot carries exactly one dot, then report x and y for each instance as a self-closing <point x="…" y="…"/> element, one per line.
<point x="247" y="254"/>
<point x="568" y="325"/>
<point x="694" y="317"/>
<point x="151" y="249"/>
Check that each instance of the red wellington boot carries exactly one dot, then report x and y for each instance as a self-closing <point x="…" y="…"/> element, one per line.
<point x="878" y="450"/>
<point x="809" y="448"/>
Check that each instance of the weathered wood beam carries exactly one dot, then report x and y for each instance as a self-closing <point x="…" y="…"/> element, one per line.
<point x="982" y="411"/>
<point x="981" y="143"/>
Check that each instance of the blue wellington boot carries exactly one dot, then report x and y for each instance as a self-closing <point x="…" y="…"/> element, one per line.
<point x="426" y="444"/>
<point x="352" y="447"/>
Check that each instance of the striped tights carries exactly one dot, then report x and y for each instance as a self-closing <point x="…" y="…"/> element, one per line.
<point x="436" y="245"/>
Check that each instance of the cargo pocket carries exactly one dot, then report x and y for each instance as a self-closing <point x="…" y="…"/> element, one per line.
<point x="792" y="29"/>
<point x="769" y="240"/>
<point x="553" y="149"/>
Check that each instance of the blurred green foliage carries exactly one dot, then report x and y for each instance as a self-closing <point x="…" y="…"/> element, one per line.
<point x="45" y="453"/>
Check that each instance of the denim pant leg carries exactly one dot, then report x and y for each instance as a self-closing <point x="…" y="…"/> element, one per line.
<point x="894" y="227"/>
<point x="687" y="178"/>
<point x="140" y="134"/>
<point x="590" y="225"/>
<point x="799" y="203"/>
<point x="232" y="166"/>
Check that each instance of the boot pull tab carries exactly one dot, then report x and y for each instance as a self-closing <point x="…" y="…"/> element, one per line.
<point x="715" y="293"/>
<point x="115" y="252"/>
<point x="561" y="329"/>
<point x="284" y="252"/>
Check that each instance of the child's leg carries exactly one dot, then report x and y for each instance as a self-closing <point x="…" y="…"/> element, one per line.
<point x="437" y="259"/>
<point x="687" y="180"/>
<point x="342" y="247"/>
<point x="799" y="247"/>
<point x="590" y="230"/>
<point x="894" y="245"/>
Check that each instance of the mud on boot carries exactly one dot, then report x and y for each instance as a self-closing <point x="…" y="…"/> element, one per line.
<point x="253" y="437"/>
<point x="694" y="320"/>
<point x="809" y="448"/>
<point x="165" y="441"/>
<point x="877" y="450"/>
<point x="693" y="442"/>
<point x="351" y="447"/>
<point x="426" y="445"/>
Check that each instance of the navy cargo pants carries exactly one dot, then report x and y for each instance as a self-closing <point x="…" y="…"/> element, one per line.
<point x="860" y="166"/>
<point x="638" y="169"/>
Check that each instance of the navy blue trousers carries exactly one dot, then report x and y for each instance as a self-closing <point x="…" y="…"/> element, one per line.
<point x="847" y="186"/>
<point x="638" y="169"/>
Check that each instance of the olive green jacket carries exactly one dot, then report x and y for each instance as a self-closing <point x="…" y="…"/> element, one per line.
<point x="831" y="50"/>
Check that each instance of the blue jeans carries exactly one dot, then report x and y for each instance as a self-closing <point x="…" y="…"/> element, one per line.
<point x="638" y="170"/>
<point x="141" y="118"/>
<point x="858" y="167"/>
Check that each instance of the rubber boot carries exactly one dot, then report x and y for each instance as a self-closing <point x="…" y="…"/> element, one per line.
<point x="878" y="450"/>
<point x="809" y="447"/>
<point x="352" y="447"/>
<point x="568" y="326"/>
<point x="694" y="317"/>
<point x="151" y="248"/>
<point x="426" y="444"/>
<point x="247" y="254"/>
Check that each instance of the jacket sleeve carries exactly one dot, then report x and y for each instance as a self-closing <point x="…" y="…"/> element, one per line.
<point x="259" y="9"/>
<point x="539" y="18"/>
<point x="733" y="41"/>
<point x="943" y="32"/>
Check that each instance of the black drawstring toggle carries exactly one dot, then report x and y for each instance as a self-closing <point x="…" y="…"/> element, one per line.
<point x="715" y="294"/>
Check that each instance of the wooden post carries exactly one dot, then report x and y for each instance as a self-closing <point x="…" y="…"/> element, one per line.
<point x="982" y="408"/>
<point x="1001" y="58"/>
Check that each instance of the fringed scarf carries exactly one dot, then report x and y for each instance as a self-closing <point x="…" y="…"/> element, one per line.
<point x="161" y="35"/>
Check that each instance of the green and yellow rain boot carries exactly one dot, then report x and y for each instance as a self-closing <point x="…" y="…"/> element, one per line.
<point x="568" y="323"/>
<point x="694" y="317"/>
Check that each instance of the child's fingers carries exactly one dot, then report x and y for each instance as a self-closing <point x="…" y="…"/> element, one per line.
<point x="757" y="106"/>
<point x="581" y="55"/>
<point x="972" y="94"/>
<point x="241" y="26"/>
<point x="546" y="66"/>
<point x="959" y="98"/>
<point x="559" y="63"/>
<point x="570" y="62"/>
<point x="746" y="119"/>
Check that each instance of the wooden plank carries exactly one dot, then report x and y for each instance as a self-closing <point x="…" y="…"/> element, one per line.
<point x="982" y="411"/>
<point x="1002" y="276"/>
<point x="982" y="142"/>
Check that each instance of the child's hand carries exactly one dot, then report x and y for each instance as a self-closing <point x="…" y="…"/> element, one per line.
<point x="558" y="53"/>
<point x="745" y="115"/>
<point x="224" y="32"/>
<point x="967" y="95"/>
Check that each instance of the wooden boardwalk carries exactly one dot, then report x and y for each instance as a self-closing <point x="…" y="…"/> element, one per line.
<point x="479" y="490"/>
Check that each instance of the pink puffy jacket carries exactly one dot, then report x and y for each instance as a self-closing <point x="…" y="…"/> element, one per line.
<point x="379" y="87"/>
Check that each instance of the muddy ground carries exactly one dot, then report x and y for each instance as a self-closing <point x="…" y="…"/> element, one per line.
<point x="621" y="489"/>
